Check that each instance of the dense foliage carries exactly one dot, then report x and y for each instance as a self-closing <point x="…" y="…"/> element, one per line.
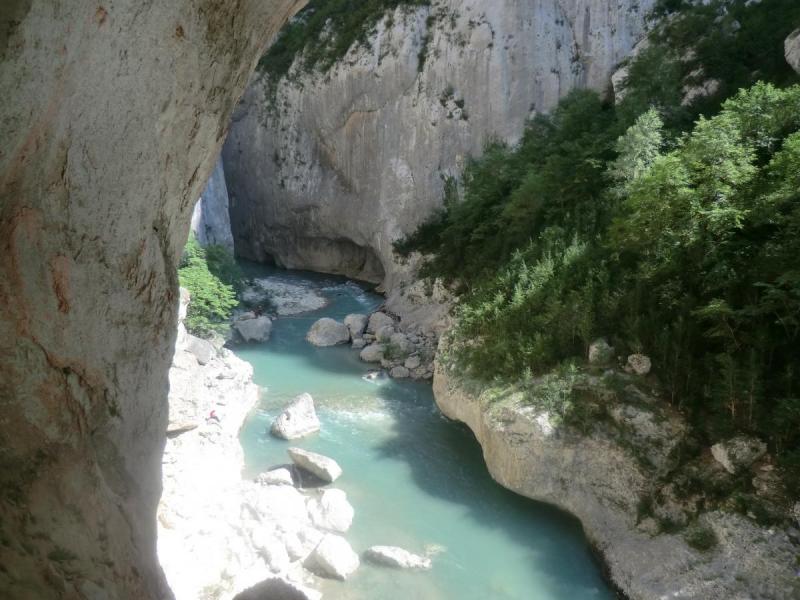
<point x="211" y="276"/>
<point x="323" y="32"/>
<point x="667" y="232"/>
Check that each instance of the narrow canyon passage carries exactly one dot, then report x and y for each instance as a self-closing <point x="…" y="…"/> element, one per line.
<point x="415" y="479"/>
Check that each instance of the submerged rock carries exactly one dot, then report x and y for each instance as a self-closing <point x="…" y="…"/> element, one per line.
<point x="738" y="453"/>
<point x="331" y="511"/>
<point x="253" y="328"/>
<point x="392" y="556"/>
<point x="328" y="332"/>
<point x="333" y="557"/>
<point x="299" y="419"/>
<point x="357" y="324"/>
<point x="319" y="465"/>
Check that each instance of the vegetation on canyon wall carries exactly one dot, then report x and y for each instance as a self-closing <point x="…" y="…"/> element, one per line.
<point x="213" y="278"/>
<point x="324" y="31"/>
<point x="670" y="227"/>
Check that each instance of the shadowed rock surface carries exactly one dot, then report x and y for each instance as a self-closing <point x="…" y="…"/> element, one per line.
<point x="111" y="119"/>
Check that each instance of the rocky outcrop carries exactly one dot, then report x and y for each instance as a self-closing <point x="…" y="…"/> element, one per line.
<point x="391" y="121"/>
<point x="111" y="119"/>
<point x="333" y="558"/>
<point x="792" y="50"/>
<point x="211" y="220"/>
<point x="604" y="466"/>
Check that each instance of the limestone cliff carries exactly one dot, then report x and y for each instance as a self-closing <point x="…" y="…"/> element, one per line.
<point x="112" y="116"/>
<point x="604" y="469"/>
<point x="211" y="221"/>
<point x="325" y="171"/>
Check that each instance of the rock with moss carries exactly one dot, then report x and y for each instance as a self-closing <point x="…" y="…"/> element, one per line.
<point x="739" y="453"/>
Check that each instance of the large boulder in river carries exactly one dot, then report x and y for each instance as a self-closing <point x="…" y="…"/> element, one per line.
<point x="333" y="557"/>
<point x="357" y="324"/>
<point x="331" y="511"/>
<point x="372" y="353"/>
<point x="378" y="320"/>
<point x="321" y="466"/>
<point x="391" y="556"/>
<point x="791" y="49"/>
<point x="299" y="419"/>
<point x="328" y="332"/>
<point x="253" y="328"/>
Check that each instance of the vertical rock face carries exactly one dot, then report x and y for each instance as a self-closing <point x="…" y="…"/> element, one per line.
<point x="111" y="117"/>
<point x="342" y="164"/>
<point x="211" y="222"/>
<point x="792" y="50"/>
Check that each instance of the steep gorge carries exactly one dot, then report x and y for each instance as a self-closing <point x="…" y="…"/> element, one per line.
<point x="111" y="120"/>
<point x="327" y="170"/>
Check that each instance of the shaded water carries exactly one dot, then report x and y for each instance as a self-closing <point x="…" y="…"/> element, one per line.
<point x="415" y="479"/>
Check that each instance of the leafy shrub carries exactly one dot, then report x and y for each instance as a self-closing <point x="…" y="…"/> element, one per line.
<point x="700" y="537"/>
<point x="212" y="300"/>
<point x="683" y="244"/>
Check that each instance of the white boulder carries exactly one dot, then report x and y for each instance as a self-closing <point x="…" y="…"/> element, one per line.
<point x="299" y="419"/>
<point x="392" y="556"/>
<point x="333" y="557"/>
<point x="357" y="324"/>
<point x="412" y="362"/>
<point x="328" y="332"/>
<point x="331" y="511"/>
<point x="319" y="465"/>
<point x="384" y="334"/>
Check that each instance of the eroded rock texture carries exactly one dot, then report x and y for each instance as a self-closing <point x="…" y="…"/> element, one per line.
<point x="112" y="116"/>
<point x="327" y="176"/>
<point x="211" y="221"/>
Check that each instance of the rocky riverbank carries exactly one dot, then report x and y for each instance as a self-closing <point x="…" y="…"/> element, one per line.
<point x="612" y="462"/>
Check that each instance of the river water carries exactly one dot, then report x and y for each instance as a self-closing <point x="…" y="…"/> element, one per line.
<point x="415" y="479"/>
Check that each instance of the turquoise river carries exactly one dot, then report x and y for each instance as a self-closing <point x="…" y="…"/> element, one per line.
<point x="415" y="479"/>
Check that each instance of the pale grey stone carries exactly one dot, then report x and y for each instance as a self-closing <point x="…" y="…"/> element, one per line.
<point x="328" y="332"/>
<point x="372" y="353"/>
<point x="252" y="328"/>
<point x="299" y="419"/>
<point x="334" y="558"/>
<point x="357" y="324"/>
<point x="317" y="464"/>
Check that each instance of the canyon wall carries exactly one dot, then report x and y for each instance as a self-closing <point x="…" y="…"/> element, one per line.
<point x="112" y="117"/>
<point x="325" y="171"/>
<point x="211" y="221"/>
